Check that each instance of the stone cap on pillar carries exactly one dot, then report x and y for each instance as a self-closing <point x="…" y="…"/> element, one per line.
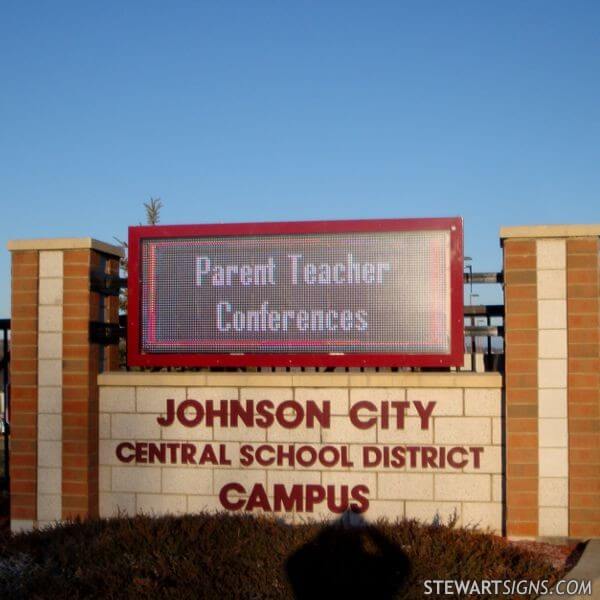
<point x="549" y="231"/>
<point x="65" y="244"/>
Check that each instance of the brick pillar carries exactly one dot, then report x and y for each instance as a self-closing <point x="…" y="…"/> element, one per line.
<point x="521" y="384"/>
<point x="583" y="309"/>
<point x="552" y="274"/>
<point x="54" y="438"/>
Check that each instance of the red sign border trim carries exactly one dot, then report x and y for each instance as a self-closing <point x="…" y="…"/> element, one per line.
<point x="135" y="357"/>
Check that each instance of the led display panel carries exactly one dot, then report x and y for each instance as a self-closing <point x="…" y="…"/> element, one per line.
<point x="336" y="293"/>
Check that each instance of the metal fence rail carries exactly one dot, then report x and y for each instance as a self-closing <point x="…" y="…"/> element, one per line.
<point x="484" y="335"/>
<point x="483" y="325"/>
<point x="4" y="401"/>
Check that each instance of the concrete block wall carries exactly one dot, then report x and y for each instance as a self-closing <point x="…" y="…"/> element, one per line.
<point x="552" y="380"/>
<point x="468" y="413"/>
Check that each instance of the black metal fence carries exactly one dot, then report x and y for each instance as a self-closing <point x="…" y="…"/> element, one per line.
<point x="483" y="327"/>
<point x="4" y="401"/>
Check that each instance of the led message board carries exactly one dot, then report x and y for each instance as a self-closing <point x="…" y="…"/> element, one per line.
<point x="340" y="293"/>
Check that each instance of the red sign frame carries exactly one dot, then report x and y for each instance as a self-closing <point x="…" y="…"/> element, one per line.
<point x="135" y="357"/>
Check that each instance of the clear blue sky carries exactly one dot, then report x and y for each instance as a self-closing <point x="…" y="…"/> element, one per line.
<point x="244" y="111"/>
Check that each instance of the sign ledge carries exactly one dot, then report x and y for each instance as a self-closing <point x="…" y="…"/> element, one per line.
<point x="65" y="244"/>
<point x="323" y="379"/>
<point x="549" y="231"/>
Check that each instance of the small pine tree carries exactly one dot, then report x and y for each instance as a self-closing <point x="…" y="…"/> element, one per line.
<point x="153" y="208"/>
<point x="153" y="211"/>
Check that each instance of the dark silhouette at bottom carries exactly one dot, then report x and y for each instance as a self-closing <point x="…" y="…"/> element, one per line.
<point x="348" y="559"/>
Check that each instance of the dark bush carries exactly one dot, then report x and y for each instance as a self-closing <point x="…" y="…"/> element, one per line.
<point x="227" y="557"/>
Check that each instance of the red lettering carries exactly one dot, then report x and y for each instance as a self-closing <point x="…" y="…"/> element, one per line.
<point x="315" y="494"/>
<point x="412" y="452"/>
<point x="223" y="460"/>
<point x="371" y="456"/>
<point x="246" y="458"/>
<point x="314" y="413"/>
<point x="476" y="452"/>
<point x="221" y="413"/>
<point x="306" y="462"/>
<point x="260" y="459"/>
<point x="457" y="464"/>
<point x="224" y="499"/>
<point x="156" y="452"/>
<point x="208" y="456"/>
<point x="190" y="420"/>
<point x="288" y="456"/>
<point x="264" y="409"/>
<point x="385" y="415"/>
<point x="125" y="446"/>
<point x="173" y="447"/>
<point x="188" y="451"/>
<point x="359" y="495"/>
<point x="424" y="412"/>
<point x="335" y="456"/>
<point x="401" y="408"/>
<point x="428" y="455"/>
<point x="289" y="421"/>
<point x="442" y="461"/>
<point x="340" y="507"/>
<point x="229" y="413"/>
<point x="141" y="453"/>
<point x="398" y="459"/>
<point x="287" y="501"/>
<point x="258" y="499"/>
<point x="356" y="420"/>
<point x="245" y="415"/>
<point x="297" y="498"/>
<point x="346" y="462"/>
<point x="168" y="420"/>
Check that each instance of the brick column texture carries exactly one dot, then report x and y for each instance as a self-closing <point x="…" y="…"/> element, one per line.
<point x="80" y="391"/>
<point x="521" y="381"/>
<point x="24" y="401"/>
<point x="54" y="371"/>
<point x="583" y="308"/>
